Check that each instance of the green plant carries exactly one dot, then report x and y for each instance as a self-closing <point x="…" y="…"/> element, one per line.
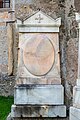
<point x="5" y="106"/>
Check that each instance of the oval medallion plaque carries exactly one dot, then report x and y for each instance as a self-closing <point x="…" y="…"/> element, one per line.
<point x="38" y="55"/>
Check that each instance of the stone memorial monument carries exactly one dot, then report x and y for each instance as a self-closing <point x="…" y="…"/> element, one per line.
<point x="75" y="110"/>
<point x="38" y="91"/>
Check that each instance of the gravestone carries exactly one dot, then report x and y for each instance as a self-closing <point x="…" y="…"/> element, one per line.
<point x="75" y="110"/>
<point x="38" y="91"/>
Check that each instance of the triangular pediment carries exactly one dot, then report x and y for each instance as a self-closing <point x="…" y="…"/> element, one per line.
<point x="40" y="18"/>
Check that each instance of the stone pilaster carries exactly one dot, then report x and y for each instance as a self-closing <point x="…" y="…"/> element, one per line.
<point x="12" y="11"/>
<point x="10" y="49"/>
<point x="13" y="5"/>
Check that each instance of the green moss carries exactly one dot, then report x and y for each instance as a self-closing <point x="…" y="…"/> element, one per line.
<point x="5" y="106"/>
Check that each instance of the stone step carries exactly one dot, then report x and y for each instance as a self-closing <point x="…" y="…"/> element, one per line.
<point x="37" y="111"/>
<point x="39" y="94"/>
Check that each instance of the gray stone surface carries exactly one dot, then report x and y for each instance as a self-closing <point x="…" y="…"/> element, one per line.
<point x="39" y="94"/>
<point x="7" y="85"/>
<point x="9" y="117"/>
<point x="74" y="113"/>
<point x="6" y="82"/>
<point x="76" y="96"/>
<point x="4" y="50"/>
<point x="38" y="111"/>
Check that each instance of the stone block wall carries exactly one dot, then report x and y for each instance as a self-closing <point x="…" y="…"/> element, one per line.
<point x="4" y="50"/>
<point x="71" y="50"/>
<point x="6" y="82"/>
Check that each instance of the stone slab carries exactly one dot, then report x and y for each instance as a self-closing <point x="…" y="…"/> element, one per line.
<point x="38" y="111"/>
<point x="38" y="29"/>
<point x="39" y="80"/>
<point x="41" y="53"/>
<point x="39" y="94"/>
<point x="49" y="74"/>
<point x="40" y="119"/>
<point x="76" y="96"/>
<point x="74" y="113"/>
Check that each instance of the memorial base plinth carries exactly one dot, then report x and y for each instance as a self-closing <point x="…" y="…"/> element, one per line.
<point x="38" y="101"/>
<point x="75" y="110"/>
<point x="76" y="97"/>
<point x="74" y="113"/>
<point x="39" y="95"/>
<point x="37" y="111"/>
